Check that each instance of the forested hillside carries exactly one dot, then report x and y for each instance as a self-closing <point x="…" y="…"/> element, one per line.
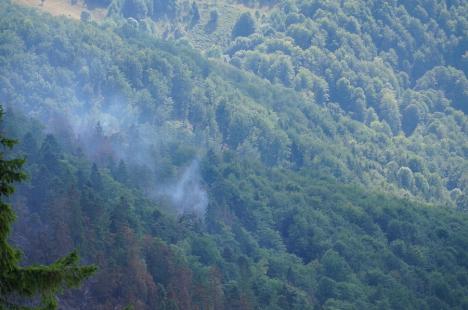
<point x="358" y="117"/>
<point x="397" y="67"/>
<point x="284" y="155"/>
<point x="269" y="238"/>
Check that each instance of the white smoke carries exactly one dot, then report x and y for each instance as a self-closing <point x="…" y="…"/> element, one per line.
<point x="187" y="194"/>
<point x="126" y="138"/>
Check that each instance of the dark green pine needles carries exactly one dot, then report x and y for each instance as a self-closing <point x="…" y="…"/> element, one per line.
<point x="35" y="286"/>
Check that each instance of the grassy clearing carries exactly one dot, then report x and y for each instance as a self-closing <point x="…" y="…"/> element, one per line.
<point x="63" y="8"/>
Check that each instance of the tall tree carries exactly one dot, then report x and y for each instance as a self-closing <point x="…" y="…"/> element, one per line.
<point x="244" y="26"/>
<point x="19" y="284"/>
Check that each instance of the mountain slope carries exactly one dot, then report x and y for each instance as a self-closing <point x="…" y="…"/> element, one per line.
<point x="194" y="184"/>
<point x="173" y="89"/>
<point x="270" y="238"/>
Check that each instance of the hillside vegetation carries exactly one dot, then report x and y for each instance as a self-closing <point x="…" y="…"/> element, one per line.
<point x="293" y="159"/>
<point x="395" y="118"/>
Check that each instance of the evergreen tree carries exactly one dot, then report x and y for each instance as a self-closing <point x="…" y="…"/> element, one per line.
<point x="411" y="117"/>
<point x="95" y="177"/>
<point x="195" y="14"/>
<point x="244" y="26"/>
<point x="18" y="282"/>
<point x="121" y="173"/>
<point x="213" y="21"/>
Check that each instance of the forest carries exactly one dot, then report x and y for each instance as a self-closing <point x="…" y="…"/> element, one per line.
<point x="292" y="154"/>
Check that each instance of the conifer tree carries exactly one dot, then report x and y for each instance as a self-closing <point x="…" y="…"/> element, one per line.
<point x="20" y="285"/>
<point x="244" y="26"/>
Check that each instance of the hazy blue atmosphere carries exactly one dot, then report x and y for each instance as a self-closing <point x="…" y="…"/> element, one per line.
<point x="240" y="154"/>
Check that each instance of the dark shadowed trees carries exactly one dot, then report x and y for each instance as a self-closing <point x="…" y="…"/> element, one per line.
<point x="244" y="26"/>
<point x="20" y="285"/>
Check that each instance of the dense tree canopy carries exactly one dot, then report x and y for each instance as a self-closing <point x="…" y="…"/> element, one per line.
<point x="316" y="162"/>
<point x="244" y="26"/>
<point x="18" y="282"/>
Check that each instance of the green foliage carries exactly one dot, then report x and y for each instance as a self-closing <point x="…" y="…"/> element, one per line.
<point x="195" y="14"/>
<point x="17" y="281"/>
<point x="317" y="104"/>
<point x="411" y="118"/>
<point x="135" y="8"/>
<point x="164" y="8"/>
<point x="308" y="115"/>
<point x="101" y="3"/>
<point x="271" y="237"/>
<point x="341" y="235"/>
<point x="213" y="21"/>
<point x="452" y="82"/>
<point x="405" y="177"/>
<point x="85" y="16"/>
<point x="244" y="26"/>
<point x="301" y="35"/>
